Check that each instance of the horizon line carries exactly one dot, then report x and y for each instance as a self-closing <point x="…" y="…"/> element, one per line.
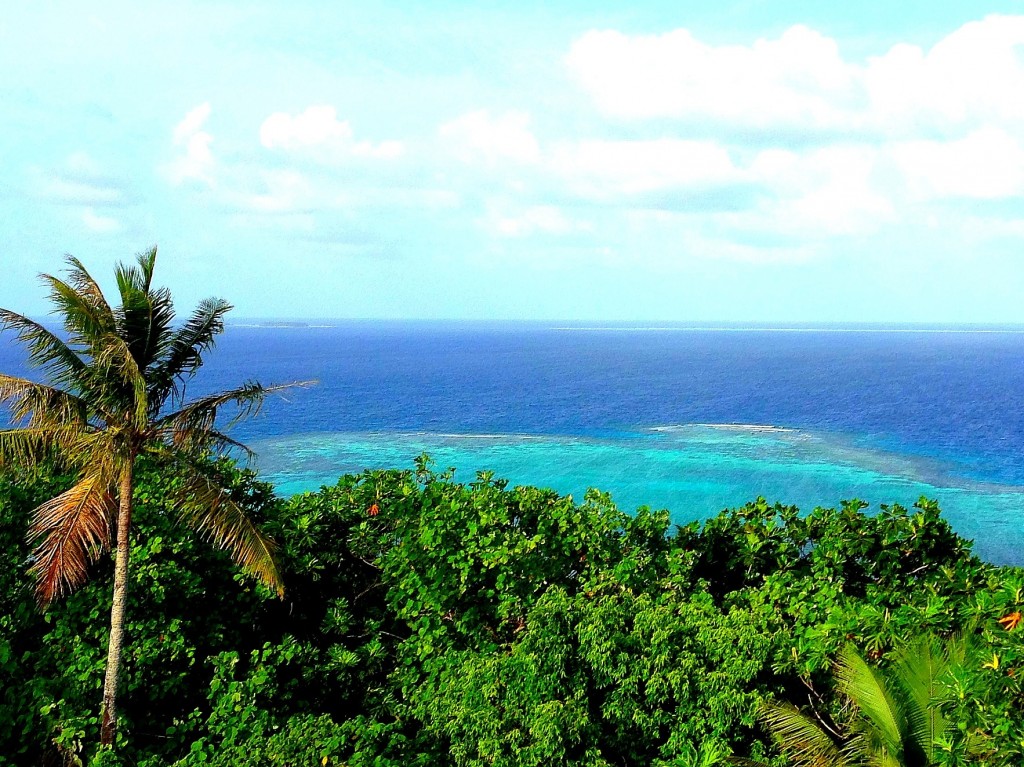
<point x="650" y="325"/>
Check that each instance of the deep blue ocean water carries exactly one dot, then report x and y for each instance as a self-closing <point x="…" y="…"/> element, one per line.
<point x="672" y="417"/>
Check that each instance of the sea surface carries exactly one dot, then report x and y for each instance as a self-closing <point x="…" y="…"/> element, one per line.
<point x="692" y="419"/>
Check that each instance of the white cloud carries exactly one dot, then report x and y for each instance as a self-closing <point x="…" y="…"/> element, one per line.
<point x="192" y="123"/>
<point x="607" y="169"/>
<point x="724" y="249"/>
<point x="477" y="136"/>
<point x="80" y="180"/>
<point x="317" y="125"/>
<point x="100" y="224"/>
<point x="800" y="81"/>
<point x="289" y="191"/>
<point x="961" y="83"/>
<point x="318" y="129"/>
<point x="835" y="147"/>
<point x="987" y="164"/>
<point x="197" y="161"/>
<point x="82" y="164"/>
<point x="537" y="219"/>
<point x="286" y="191"/>
<point x="826" y="191"/>
<point x="270" y="191"/>
<point x="71" y="191"/>
<point x="781" y="146"/>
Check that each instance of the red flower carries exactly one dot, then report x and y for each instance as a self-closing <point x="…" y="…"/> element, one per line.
<point x="374" y="510"/>
<point x="1011" y="621"/>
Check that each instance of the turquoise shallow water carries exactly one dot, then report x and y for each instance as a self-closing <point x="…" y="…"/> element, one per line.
<point x="883" y="414"/>
<point x="693" y="471"/>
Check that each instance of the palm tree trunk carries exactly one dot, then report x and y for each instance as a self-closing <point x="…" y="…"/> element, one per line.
<point x="108" y="728"/>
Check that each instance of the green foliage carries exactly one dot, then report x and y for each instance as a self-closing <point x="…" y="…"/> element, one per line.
<point x="187" y="604"/>
<point x="895" y="719"/>
<point x="429" y="622"/>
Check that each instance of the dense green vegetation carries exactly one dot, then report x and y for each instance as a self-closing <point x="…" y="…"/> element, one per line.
<point x="437" y="623"/>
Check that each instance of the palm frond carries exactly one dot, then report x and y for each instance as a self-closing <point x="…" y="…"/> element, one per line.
<point x="139" y="277"/>
<point x="801" y="739"/>
<point x="883" y="724"/>
<point x="23" y="447"/>
<point x="88" y="289"/>
<point x="881" y="758"/>
<point x="182" y="355"/>
<point x="69" y="532"/>
<point x="29" y="447"/>
<point x="197" y="443"/>
<point x="919" y="670"/>
<point x="147" y="263"/>
<point x="159" y="330"/>
<point x="125" y="391"/>
<point x="42" y="404"/>
<point x="81" y="305"/>
<point x="145" y="315"/>
<point x="221" y="444"/>
<point x="207" y="508"/>
<point x="198" y="417"/>
<point x="62" y="364"/>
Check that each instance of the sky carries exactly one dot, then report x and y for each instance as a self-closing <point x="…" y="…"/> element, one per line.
<point x="645" y="161"/>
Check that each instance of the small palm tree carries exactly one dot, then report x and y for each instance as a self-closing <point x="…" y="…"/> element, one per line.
<point x="896" y="718"/>
<point x="116" y="392"/>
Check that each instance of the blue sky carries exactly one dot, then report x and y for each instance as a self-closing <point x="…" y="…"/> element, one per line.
<point x="745" y="161"/>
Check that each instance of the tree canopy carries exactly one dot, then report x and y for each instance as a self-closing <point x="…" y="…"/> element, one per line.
<point x="429" y="621"/>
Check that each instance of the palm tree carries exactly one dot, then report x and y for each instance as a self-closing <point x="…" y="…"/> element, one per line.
<point x="896" y="718"/>
<point x="117" y="392"/>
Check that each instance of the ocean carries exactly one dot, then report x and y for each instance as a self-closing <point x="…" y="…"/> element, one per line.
<point x="691" y="419"/>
